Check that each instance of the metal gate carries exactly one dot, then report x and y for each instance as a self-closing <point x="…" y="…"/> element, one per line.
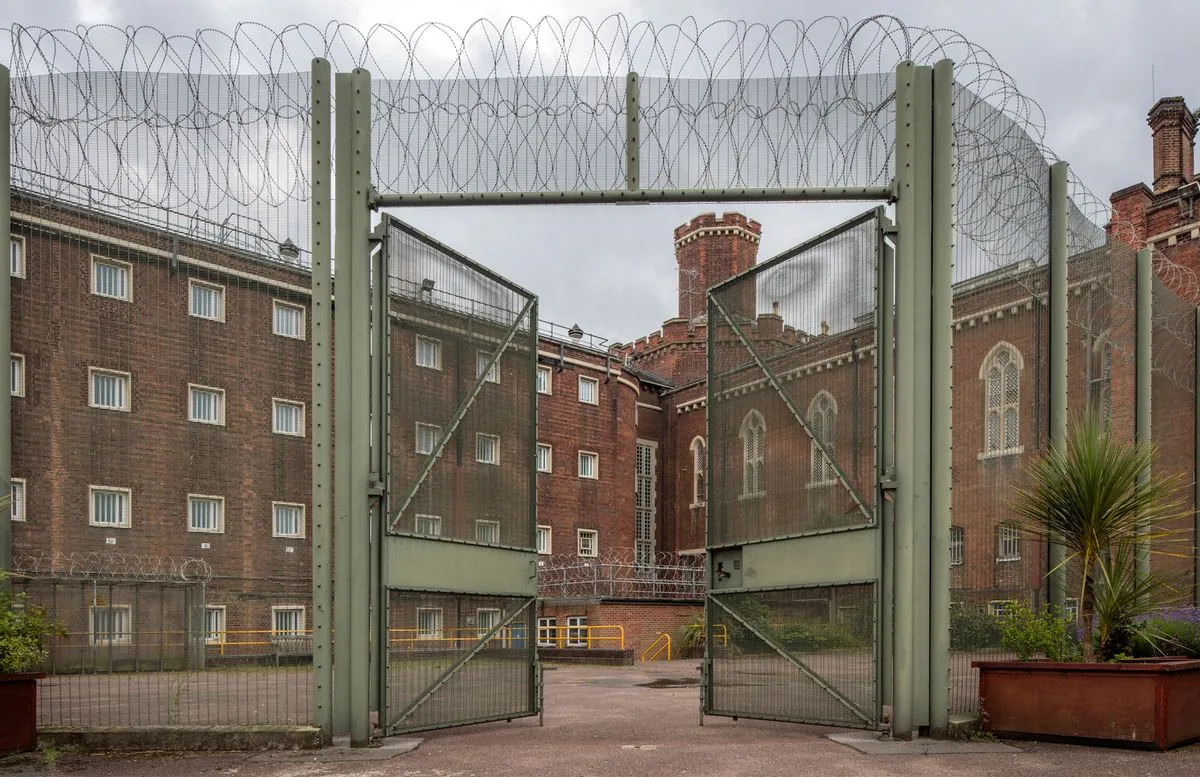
<point x="459" y="565"/>
<point x="794" y="545"/>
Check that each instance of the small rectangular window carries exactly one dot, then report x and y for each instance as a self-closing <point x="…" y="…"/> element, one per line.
<point x="16" y="508"/>
<point x="1009" y="543"/>
<point x="214" y="624"/>
<point x="957" y="545"/>
<point x="206" y="514"/>
<point x="429" y="353"/>
<point x="487" y="532"/>
<point x="288" y="320"/>
<point x="206" y="300"/>
<point x="547" y="632"/>
<point x="111" y="624"/>
<point x="16" y="256"/>
<point x="287" y="519"/>
<point x="545" y="380"/>
<point x="429" y="623"/>
<point x="999" y="607"/>
<point x="112" y="279"/>
<point x="1071" y="609"/>
<point x="16" y="375"/>
<point x="428" y="437"/>
<point x="109" y="507"/>
<point x="544" y="457"/>
<point x="429" y="525"/>
<point x="287" y="621"/>
<point x="577" y="631"/>
<point x="485" y="621"/>
<point x="544" y="536"/>
<point x="589" y="390"/>
<point x="487" y="449"/>
<point x="206" y="405"/>
<point x="588" y="539"/>
<point x="288" y="417"/>
<point x="589" y="465"/>
<point x="481" y="365"/>
<point x="108" y="389"/>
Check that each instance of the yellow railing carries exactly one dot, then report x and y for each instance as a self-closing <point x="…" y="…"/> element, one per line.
<point x="456" y="638"/>
<point x="721" y="634"/>
<point x="657" y="647"/>
<point x="251" y="638"/>
<point x="599" y="636"/>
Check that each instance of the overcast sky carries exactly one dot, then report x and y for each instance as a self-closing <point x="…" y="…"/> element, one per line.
<point x="1087" y="63"/>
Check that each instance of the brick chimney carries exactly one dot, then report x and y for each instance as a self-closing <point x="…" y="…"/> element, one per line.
<point x="1174" y="130"/>
<point x="710" y="249"/>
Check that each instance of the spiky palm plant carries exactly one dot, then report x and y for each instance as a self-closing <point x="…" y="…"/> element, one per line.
<point x="1087" y="498"/>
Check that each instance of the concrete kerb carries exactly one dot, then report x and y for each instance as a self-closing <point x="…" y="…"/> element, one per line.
<point x="181" y="738"/>
<point x="340" y="750"/>
<point x="874" y="744"/>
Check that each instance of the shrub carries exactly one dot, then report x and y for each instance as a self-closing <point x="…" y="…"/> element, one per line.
<point x="23" y="626"/>
<point x="1044" y="634"/>
<point x="818" y="637"/>
<point x="1173" y="632"/>
<point x="971" y="628"/>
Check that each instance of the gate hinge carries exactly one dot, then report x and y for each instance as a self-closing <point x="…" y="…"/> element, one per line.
<point x="888" y="481"/>
<point x="375" y="486"/>
<point x="891" y="230"/>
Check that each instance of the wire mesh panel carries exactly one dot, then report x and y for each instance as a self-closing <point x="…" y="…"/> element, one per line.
<point x="801" y="654"/>
<point x="456" y="659"/>
<point x="792" y="393"/>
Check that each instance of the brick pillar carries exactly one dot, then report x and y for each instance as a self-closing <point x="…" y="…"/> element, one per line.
<point x="1174" y="129"/>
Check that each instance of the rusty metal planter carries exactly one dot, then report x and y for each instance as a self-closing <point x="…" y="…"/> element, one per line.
<point x="18" y="699"/>
<point x="1137" y="704"/>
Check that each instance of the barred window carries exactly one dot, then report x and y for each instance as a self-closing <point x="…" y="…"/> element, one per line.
<point x="1001" y="373"/>
<point x="288" y="320"/>
<point x="206" y="514"/>
<point x="957" y="545"/>
<point x="288" y="417"/>
<point x="287" y="519"/>
<point x="754" y="445"/>
<point x="822" y="422"/>
<point x="108" y="389"/>
<point x="699" y="467"/>
<point x="112" y="279"/>
<point x="109" y="507"/>
<point x="206" y="405"/>
<point x="206" y="300"/>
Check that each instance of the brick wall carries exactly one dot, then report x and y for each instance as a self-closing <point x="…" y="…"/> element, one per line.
<point x="643" y="622"/>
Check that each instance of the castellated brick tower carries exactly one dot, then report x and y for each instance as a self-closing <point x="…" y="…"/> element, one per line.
<point x="710" y="249"/>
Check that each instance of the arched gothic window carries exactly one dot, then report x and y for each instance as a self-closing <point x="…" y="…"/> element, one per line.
<point x="822" y="422"/>
<point x="699" y="471"/>
<point x="754" y="448"/>
<point x="1001" y="376"/>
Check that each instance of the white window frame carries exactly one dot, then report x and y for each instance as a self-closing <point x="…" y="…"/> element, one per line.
<point x="436" y="631"/>
<point x="548" y="533"/>
<point x="127" y="266"/>
<point x="547" y="631"/>
<point x="753" y="433"/>
<point x="548" y="385"/>
<point x="595" y="385"/>
<point x="194" y="387"/>
<point x="127" y="519"/>
<point x="222" y="629"/>
<point x="594" y="536"/>
<point x="301" y="621"/>
<point x="577" y="631"/>
<point x="16" y="374"/>
<point x="300" y="528"/>
<point x="480" y="437"/>
<point x="996" y="607"/>
<point x="595" y="465"/>
<point x="220" y="502"/>
<point x="481" y="359"/>
<point x="1008" y="535"/>
<point x="128" y="392"/>
<point x="480" y="630"/>
<point x="18" y="508"/>
<point x="122" y="637"/>
<point x="549" y="450"/>
<point x="699" y="449"/>
<point x="17" y="256"/>
<point x="302" y="331"/>
<point x="417" y="438"/>
<point x="437" y="351"/>
<point x="1071" y="608"/>
<point x="435" y="520"/>
<point x="822" y="421"/>
<point x="995" y="448"/>
<point x="194" y="283"/>
<point x="495" y="529"/>
<point x="958" y="546"/>
<point x="275" y="402"/>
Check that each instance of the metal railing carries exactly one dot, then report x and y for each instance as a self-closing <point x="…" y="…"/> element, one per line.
<point x="663" y="643"/>
<point x="622" y="574"/>
<point x="589" y="637"/>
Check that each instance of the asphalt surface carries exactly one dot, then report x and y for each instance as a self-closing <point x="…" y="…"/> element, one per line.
<point x="606" y="721"/>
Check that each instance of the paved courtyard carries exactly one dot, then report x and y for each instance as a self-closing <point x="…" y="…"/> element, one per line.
<point x="606" y="721"/>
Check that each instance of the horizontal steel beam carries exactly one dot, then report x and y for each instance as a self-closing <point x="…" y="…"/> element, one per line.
<point x="812" y="194"/>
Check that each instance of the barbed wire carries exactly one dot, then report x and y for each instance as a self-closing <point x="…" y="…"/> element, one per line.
<point x="111" y="566"/>
<point x="622" y="573"/>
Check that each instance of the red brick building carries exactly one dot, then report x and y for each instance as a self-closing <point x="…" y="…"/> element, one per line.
<point x="161" y="387"/>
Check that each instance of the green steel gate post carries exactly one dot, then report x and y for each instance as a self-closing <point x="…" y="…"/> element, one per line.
<point x="535" y="666"/>
<point x="359" y="387"/>
<point x="343" y="484"/>
<point x="322" y="396"/>
<point x="1145" y="320"/>
<point x="632" y="161"/>
<point x="941" y="395"/>
<point x="921" y="408"/>
<point x="907" y="308"/>
<point x="1196" y="464"/>
<point x="1059" y="334"/>
<point x="886" y="453"/>
<point x="381" y="352"/>
<point x="6" y="548"/>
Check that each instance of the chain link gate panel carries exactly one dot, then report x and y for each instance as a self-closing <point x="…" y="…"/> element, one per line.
<point x="793" y="540"/>
<point x="460" y="562"/>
